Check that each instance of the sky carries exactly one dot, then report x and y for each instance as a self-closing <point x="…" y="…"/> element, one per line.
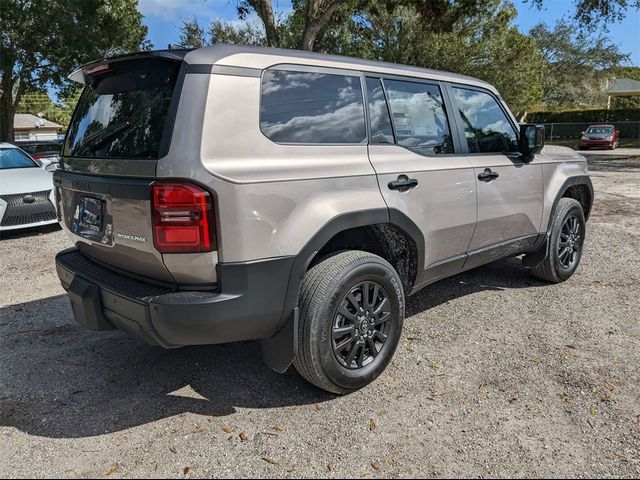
<point x="163" y="18"/>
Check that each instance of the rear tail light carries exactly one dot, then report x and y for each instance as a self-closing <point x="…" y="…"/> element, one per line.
<point x="183" y="220"/>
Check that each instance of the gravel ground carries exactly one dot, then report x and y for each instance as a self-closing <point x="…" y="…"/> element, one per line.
<point x="497" y="375"/>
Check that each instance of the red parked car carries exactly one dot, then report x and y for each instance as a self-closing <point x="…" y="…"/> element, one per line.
<point x="600" y="136"/>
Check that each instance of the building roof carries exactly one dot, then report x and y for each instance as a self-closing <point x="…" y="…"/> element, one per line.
<point x="27" y="121"/>
<point x="624" y="87"/>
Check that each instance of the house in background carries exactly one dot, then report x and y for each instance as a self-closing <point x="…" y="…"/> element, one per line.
<point x="34" y="127"/>
<point x="623" y="87"/>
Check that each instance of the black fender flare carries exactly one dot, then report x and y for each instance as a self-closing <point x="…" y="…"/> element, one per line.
<point x="533" y="259"/>
<point x="568" y="183"/>
<point x="279" y="350"/>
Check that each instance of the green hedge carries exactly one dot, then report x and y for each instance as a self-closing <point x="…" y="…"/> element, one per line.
<point x="586" y="116"/>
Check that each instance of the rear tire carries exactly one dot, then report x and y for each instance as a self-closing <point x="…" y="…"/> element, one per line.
<point x="348" y="337"/>
<point x="566" y="242"/>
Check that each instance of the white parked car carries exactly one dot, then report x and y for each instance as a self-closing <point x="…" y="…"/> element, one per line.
<point x="26" y="191"/>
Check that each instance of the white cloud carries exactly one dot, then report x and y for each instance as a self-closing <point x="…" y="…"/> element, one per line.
<point x="173" y="9"/>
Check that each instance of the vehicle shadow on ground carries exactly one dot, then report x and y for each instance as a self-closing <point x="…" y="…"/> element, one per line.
<point x="29" y="232"/>
<point x="61" y="381"/>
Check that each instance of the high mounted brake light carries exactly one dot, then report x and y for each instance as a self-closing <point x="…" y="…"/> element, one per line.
<point x="183" y="220"/>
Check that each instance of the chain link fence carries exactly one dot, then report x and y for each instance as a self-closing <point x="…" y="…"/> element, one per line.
<point x="573" y="131"/>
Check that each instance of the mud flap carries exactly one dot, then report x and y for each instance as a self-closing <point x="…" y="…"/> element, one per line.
<point x="533" y="259"/>
<point x="86" y="305"/>
<point x="279" y="351"/>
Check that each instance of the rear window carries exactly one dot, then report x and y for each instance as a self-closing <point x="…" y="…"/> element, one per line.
<point x="15" y="158"/>
<point x="122" y="113"/>
<point x="311" y="107"/>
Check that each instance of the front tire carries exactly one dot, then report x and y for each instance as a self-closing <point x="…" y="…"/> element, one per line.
<point x="566" y="242"/>
<point x="351" y="318"/>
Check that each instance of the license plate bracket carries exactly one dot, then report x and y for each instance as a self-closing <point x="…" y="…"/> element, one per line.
<point x="88" y="220"/>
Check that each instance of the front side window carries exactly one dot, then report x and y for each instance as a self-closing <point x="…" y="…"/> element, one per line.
<point x="419" y="117"/>
<point x="15" y="158"/>
<point x="310" y="107"/>
<point x="486" y="127"/>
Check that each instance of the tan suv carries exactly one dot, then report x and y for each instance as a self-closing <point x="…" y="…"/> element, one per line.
<point x="234" y="193"/>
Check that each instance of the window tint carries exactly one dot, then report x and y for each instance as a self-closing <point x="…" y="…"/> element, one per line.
<point x="122" y="113"/>
<point x="15" y="158"/>
<point x="307" y="107"/>
<point x="486" y="127"/>
<point x="380" y="120"/>
<point x="419" y="117"/>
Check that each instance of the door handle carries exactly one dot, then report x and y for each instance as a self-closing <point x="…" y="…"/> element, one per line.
<point x="403" y="183"/>
<point x="488" y="175"/>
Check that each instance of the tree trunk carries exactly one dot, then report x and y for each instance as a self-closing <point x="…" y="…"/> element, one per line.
<point x="317" y="16"/>
<point x="264" y="9"/>
<point x="7" y="108"/>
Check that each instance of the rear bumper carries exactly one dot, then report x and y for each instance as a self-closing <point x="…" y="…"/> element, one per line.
<point x="249" y="305"/>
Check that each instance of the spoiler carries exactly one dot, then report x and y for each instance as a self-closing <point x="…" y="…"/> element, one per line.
<point x="87" y="72"/>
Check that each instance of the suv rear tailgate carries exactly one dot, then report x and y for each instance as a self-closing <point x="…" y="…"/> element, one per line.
<point x="110" y="219"/>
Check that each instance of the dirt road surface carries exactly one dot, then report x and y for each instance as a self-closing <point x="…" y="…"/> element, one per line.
<point x="498" y="374"/>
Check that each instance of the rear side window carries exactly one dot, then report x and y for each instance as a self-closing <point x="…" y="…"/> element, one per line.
<point x="15" y="158"/>
<point x="419" y="117"/>
<point x="122" y="113"/>
<point x="380" y="119"/>
<point x="486" y="127"/>
<point x="310" y="107"/>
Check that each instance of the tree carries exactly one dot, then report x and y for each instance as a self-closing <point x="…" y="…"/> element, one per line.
<point x="482" y="43"/>
<point x="42" y="41"/>
<point x="192" y="34"/>
<point x="593" y="13"/>
<point x="36" y="101"/>
<point x="576" y="64"/>
<point x="314" y="18"/>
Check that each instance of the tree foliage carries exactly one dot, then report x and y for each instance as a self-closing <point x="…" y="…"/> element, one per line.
<point x="42" y="41"/>
<point x="577" y="64"/>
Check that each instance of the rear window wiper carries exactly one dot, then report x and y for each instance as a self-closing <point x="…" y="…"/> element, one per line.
<point x="98" y="138"/>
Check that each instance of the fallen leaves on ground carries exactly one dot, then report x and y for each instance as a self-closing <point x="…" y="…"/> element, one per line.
<point x="372" y="425"/>
<point x="112" y="470"/>
<point x="279" y="428"/>
<point x="270" y="461"/>
<point x="243" y="437"/>
<point x="227" y="429"/>
<point x="186" y="471"/>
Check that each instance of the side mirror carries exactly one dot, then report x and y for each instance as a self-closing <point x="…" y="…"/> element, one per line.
<point x="531" y="139"/>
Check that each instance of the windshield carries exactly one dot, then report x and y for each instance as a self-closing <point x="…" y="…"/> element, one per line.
<point x="15" y="158"/>
<point x="122" y="113"/>
<point x="602" y="130"/>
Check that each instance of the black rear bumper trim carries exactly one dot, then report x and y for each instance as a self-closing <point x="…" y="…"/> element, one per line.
<point x="248" y="308"/>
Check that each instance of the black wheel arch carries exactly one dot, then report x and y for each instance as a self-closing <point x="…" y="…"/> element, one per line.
<point x="581" y="181"/>
<point x="280" y="350"/>
<point x="569" y="189"/>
